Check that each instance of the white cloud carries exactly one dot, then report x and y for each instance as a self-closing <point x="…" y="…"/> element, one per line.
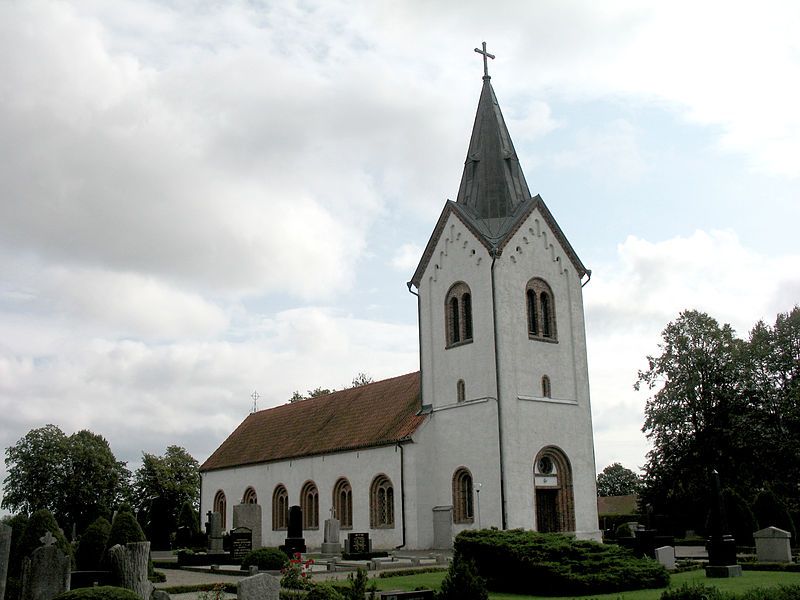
<point x="610" y="152"/>
<point x="629" y="302"/>
<point x="406" y="257"/>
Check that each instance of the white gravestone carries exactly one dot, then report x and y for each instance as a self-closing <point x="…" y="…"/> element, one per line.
<point x="772" y="545"/>
<point x="249" y="515"/>
<point x="331" y="544"/>
<point x="259" y="587"/>
<point x="666" y="556"/>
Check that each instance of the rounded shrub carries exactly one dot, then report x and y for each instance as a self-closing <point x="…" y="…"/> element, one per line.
<point x="92" y="545"/>
<point x="322" y="591"/>
<point x="103" y="592"/>
<point x="124" y="530"/>
<point x="39" y="524"/>
<point x="462" y="581"/>
<point x="550" y="564"/>
<point x="266" y="559"/>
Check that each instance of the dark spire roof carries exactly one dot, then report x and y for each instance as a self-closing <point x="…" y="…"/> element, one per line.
<point x="493" y="198"/>
<point x="493" y="186"/>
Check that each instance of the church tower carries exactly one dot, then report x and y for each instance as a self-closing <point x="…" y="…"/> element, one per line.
<point x="504" y="372"/>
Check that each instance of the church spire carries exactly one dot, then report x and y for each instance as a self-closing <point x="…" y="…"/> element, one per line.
<point x="492" y="185"/>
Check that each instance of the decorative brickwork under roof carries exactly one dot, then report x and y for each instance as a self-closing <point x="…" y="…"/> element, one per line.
<point x="376" y="414"/>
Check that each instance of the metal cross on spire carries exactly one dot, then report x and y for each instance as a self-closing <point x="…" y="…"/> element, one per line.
<point x="255" y="396"/>
<point x="485" y="56"/>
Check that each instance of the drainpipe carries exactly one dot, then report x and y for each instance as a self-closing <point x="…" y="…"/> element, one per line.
<point x="419" y="335"/>
<point x="494" y="253"/>
<point x="589" y="275"/>
<point x="402" y="490"/>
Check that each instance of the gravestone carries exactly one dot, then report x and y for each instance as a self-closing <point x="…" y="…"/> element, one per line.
<point x="330" y="545"/>
<point x="214" y="531"/>
<point x="249" y="515"/>
<point x="295" y="543"/>
<point x="241" y="542"/>
<point x="666" y="556"/>
<point x="720" y="545"/>
<point x="358" y="543"/>
<point x="258" y="587"/>
<point x="5" y="552"/>
<point x="772" y="545"/>
<point x="442" y="526"/>
<point x="45" y="574"/>
<point x="129" y="564"/>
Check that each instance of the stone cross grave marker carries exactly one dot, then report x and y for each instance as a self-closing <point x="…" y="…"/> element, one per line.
<point x="46" y="573"/>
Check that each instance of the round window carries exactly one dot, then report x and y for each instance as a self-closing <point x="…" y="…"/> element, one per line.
<point x="545" y="465"/>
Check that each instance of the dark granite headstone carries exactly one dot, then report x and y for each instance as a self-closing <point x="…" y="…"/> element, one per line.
<point x="295" y="543"/>
<point x="358" y="543"/>
<point x="241" y="542"/>
<point x="720" y="544"/>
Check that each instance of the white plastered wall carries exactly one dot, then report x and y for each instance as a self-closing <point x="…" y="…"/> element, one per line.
<point x="360" y="468"/>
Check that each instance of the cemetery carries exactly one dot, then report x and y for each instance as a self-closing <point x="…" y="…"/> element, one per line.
<point x="402" y="465"/>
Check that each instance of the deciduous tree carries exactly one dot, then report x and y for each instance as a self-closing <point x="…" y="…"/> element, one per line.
<point x="616" y="480"/>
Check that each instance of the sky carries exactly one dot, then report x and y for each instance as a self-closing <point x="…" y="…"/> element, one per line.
<point x="202" y="199"/>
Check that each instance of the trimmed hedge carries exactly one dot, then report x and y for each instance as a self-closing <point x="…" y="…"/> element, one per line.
<point x="266" y="559"/>
<point x="699" y="591"/>
<point x="550" y="564"/>
<point x="104" y="592"/>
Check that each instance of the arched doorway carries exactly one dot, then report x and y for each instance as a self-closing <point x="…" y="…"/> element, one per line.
<point x="554" y="500"/>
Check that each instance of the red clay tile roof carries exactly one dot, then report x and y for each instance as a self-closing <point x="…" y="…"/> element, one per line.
<point x="377" y="414"/>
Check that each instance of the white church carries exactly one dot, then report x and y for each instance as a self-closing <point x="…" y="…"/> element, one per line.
<point x="495" y="430"/>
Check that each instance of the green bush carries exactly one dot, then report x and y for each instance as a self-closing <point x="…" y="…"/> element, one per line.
<point x="124" y="530"/>
<point x="322" y="591"/>
<point x="104" y="592"/>
<point x="695" y="591"/>
<point x="266" y="559"/>
<point x="782" y="592"/>
<point x="462" y="582"/>
<point x="549" y="564"/>
<point x="92" y="545"/>
<point x="40" y="523"/>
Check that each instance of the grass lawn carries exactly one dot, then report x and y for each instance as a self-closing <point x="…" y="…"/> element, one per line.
<point x="749" y="579"/>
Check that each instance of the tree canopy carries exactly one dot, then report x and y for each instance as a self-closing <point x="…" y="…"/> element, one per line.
<point x="50" y="470"/>
<point x="161" y="486"/>
<point x="724" y="403"/>
<point x="616" y="480"/>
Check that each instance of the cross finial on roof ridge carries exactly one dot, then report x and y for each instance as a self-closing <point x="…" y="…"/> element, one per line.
<point x="485" y="62"/>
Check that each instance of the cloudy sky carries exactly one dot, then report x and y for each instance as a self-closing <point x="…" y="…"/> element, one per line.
<point x="200" y="199"/>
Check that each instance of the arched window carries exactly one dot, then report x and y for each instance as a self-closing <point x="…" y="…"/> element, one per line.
<point x="546" y="392"/>
<point x="250" y="496"/>
<point x="540" y="310"/>
<point x="533" y="313"/>
<point x="381" y="503"/>
<point x="309" y="503"/>
<point x="466" y="306"/>
<point x="280" y="508"/>
<point x="462" y="496"/>
<point x="455" y="328"/>
<point x="546" y="324"/>
<point x="458" y="312"/>
<point x="343" y="503"/>
<point x="221" y="506"/>
<point x="460" y="391"/>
